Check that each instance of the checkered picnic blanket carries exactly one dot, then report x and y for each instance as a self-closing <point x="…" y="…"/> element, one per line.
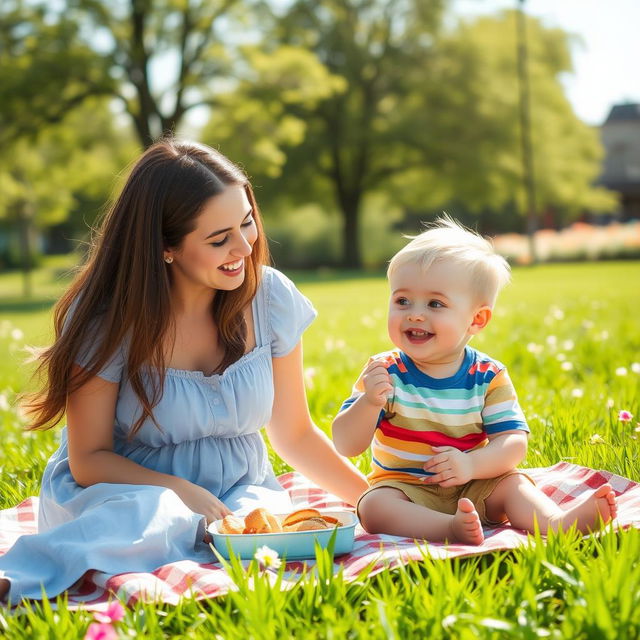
<point x="562" y="482"/>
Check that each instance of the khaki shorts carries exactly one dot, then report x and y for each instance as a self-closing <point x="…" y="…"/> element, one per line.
<point x="445" y="499"/>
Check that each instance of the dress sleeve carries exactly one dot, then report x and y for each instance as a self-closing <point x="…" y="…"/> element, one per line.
<point x="501" y="410"/>
<point x="290" y="313"/>
<point x="113" y="370"/>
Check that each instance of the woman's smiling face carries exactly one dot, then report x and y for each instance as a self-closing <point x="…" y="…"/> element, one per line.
<point x="213" y="255"/>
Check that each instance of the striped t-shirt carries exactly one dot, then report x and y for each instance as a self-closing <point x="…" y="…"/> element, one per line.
<point x="459" y="411"/>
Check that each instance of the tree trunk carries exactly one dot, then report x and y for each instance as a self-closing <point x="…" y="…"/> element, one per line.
<point x="350" y="206"/>
<point x="26" y="262"/>
<point x="524" y="104"/>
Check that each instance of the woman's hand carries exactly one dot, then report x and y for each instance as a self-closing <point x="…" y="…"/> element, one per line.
<point x="200" y="500"/>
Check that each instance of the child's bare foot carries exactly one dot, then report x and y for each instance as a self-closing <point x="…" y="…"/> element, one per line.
<point x="4" y="588"/>
<point x="597" y="509"/>
<point x="465" y="526"/>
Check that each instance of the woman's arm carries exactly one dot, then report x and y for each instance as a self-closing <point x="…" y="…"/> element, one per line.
<point x="90" y="418"/>
<point x="299" y="442"/>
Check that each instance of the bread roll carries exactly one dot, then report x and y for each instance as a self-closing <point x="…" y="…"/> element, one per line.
<point x="232" y="524"/>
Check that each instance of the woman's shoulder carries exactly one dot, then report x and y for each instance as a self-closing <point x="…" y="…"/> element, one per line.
<point x="272" y="277"/>
<point x="288" y="311"/>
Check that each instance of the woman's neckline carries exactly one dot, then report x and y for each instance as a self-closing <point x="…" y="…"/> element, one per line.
<point x="201" y="375"/>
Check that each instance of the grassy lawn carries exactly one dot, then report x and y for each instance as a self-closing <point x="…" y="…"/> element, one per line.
<point x="571" y="338"/>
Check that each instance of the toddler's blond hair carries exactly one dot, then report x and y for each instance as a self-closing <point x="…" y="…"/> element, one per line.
<point x="447" y="240"/>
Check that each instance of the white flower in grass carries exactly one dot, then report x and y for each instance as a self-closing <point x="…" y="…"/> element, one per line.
<point x="331" y="344"/>
<point x="610" y="403"/>
<point x="566" y="366"/>
<point x="368" y="321"/>
<point x="558" y="314"/>
<point x="635" y="367"/>
<point x="534" y="348"/>
<point x="561" y="357"/>
<point x="552" y="341"/>
<point x="577" y="393"/>
<point x="17" y="334"/>
<point x="268" y="558"/>
<point x="568" y="345"/>
<point x="587" y="324"/>
<point x="621" y="371"/>
<point x="604" y="335"/>
<point x="4" y="402"/>
<point x="309" y="375"/>
<point x="596" y="438"/>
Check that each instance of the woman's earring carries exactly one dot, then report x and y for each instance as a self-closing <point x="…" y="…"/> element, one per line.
<point x="168" y="259"/>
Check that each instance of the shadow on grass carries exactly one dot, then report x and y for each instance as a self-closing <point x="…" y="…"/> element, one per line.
<point x="25" y="305"/>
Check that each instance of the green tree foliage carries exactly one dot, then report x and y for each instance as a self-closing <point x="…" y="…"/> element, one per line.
<point x="63" y="174"/>
<point x="166" y="56"/>
<point x="260" y="119"/>
<point x="477" y="75"/>
<point x="158" y="58"/>
<point x="357" y="138"/>
<point x="46" y="69"/>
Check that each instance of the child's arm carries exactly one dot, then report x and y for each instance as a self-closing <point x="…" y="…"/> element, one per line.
<point x="353" y="428"/>
<point x="453" y="467"/>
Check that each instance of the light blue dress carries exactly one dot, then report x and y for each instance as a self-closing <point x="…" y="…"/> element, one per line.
<point x="210" y="435"/>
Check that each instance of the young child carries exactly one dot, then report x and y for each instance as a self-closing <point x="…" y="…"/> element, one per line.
<point x="443" y="419"/>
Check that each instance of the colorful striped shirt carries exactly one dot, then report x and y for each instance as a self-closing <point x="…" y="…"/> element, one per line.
<point x="460" y="411"/>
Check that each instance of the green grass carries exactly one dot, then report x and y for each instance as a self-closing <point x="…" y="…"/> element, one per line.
<point x="584" y="315"/>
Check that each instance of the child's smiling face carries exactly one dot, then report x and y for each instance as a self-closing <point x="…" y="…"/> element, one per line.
<point x="433" y="314"/>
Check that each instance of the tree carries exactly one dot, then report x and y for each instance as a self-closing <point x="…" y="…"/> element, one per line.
<point x="44" y="179"/>
<point x="258" y="121"/>
<point x="484" y="168"/>
<point x="358" y="138"/>
<point x="46" y="70"/>
<point x="166" y="56"/>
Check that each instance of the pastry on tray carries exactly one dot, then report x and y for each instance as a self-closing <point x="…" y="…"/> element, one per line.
<point x="262" y="521"/>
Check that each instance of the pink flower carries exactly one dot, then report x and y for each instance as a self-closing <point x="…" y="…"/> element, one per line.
<point x="101" y="631"/>
<point x="625" y="416"/>
<point x="114" y="613"/>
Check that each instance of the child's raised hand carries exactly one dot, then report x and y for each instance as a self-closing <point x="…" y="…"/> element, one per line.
<point x="377" y="383"/>
<point x="451" y="467"/>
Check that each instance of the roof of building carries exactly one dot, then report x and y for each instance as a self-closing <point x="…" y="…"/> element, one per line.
<point x="622" y="112"/>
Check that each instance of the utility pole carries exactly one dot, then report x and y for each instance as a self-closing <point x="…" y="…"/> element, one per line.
<point x="525" y="130"/>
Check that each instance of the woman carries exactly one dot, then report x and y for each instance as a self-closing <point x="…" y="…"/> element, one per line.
<point x="174" y="346"/>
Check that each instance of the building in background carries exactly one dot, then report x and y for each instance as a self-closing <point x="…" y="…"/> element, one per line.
<point x="620" y="136"/>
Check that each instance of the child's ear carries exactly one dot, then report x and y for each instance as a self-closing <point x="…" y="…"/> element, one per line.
<point x="480" y="320"/>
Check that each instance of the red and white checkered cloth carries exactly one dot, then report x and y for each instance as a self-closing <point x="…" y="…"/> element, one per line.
<point x="563" y="482"/>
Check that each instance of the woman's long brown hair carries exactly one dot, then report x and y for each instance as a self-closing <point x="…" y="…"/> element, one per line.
<point x="121" y="296"/>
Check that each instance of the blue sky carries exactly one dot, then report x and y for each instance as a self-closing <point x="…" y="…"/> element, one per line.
<point x="606" y="56"/>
